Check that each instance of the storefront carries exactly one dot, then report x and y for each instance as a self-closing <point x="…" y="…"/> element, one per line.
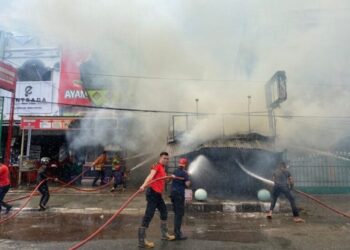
<point x="50" y="137"/>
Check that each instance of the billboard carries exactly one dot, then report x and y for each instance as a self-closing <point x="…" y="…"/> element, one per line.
<point x="276" y="90"/>
<point x="34" y="98"/>
<point x="7" y="77"/>
<point x="71" y="90"/>
<point x="37" y="81"/>
<point x="82" y="83"/>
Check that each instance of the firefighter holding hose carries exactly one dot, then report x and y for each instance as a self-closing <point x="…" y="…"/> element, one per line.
<point x="118" y="175"/>
<point x="283" y="183"/>
<point x="155" y="201"/>
<point x="99" y="165"/>
<point x="178" y="196"/>
<point x="44" y="188"/>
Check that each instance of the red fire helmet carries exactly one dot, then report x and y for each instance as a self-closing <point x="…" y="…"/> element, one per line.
<point x="183" y="161"/>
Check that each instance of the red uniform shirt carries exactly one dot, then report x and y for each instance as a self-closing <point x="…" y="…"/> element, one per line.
<point x="158" y="186"/>
<point x="4" y="175"/>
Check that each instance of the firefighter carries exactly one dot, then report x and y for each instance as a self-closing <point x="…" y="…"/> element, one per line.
<point x="4" y="186"/>
<point x="99" y="165"/>
<point x="178" y="196"/>
<point x="283" y="183"/>
<point x="44" y="188"/>
<point x="155" y="201"/>
<point x="118" y="175"/>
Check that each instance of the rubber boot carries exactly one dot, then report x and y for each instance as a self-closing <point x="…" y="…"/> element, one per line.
<point x="177" y="228"/>
<point x="164" y="231"/>
<point x="8" y="209"/>
<point x="142" y="239"/>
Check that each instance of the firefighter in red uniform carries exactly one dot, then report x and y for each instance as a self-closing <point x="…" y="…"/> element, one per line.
<point x="155" y="201"/>
<point x="4" y="186"/>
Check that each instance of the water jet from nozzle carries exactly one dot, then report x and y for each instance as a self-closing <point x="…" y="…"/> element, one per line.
<point x="195" y="165"/>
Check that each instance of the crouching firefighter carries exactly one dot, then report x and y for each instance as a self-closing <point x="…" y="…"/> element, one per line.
<point x="44" y="188"/>
<point x="178" y="196"/>
<point x="118" y="175"/>
<point x="155" y="201"/>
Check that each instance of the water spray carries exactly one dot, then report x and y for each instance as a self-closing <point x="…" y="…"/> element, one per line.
<point x="195" y="165"/>
<point x="141" y="163"/>
<point x="321" y="152"/>
<point x="269" y="182"/>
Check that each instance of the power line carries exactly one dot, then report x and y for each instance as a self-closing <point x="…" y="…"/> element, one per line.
<point x="255" y="114"/>
<point x="189" y="79"/>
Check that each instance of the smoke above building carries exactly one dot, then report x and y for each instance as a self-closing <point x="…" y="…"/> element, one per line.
<point x="162" y="55"/>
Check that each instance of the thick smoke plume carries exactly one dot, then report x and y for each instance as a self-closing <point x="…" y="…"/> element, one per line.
<point x="217" y="51"/>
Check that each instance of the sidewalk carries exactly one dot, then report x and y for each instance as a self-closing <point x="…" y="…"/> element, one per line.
<point x="104" y="201"/>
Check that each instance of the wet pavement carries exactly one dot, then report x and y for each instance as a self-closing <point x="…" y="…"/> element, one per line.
<point x="205" y="230"/>
<point x="59" y="228"/>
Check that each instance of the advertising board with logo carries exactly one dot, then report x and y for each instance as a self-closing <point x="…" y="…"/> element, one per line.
<point x="34" y="97"/>
<point x="71" y="90"/>
<point x="38" y="72"/>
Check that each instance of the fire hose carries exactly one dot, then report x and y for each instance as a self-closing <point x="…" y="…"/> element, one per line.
<point x="77" y="177"/>
<point x="54" y="190"/>
<point x="269" y="182"/>
<point x="124" y="205"/>
<point x="322" y="203"/>
<point x="85" y="189"/>
<point x="25" y="203"/>
<point x="65" y="185"/>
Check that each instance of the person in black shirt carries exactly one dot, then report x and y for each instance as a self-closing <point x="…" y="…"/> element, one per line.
<point x="283" y="184"/>
<point x="44" y="188"/>
<point x="178" y="196"/>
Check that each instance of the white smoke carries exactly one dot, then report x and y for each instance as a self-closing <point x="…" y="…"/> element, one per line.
<point x="236" y="46"/>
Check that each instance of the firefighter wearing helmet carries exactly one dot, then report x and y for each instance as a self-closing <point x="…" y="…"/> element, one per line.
<point x="178" y="196"/>
<point x="44" y="188"/>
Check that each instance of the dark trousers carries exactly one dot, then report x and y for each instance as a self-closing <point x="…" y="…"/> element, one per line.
<point x="3" y="191"/>
<point x="281" y="189"/>
<point x="178" y="201"/>
<point x="98" y="174"/>
<point x="118" y="179"/>
<point x="45" y="194"/>
<point x="154" y="201"/>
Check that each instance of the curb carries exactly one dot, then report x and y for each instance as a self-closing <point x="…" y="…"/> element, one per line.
<point x="199" y="207"/>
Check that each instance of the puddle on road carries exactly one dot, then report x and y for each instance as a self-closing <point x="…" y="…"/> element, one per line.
<point x="46" y="227"/>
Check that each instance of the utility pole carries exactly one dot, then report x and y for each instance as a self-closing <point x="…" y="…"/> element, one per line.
<point x="197" y="107"/>
<point x="249" y="101"/>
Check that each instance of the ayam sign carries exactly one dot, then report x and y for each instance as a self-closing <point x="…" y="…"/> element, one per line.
<point x="7" y="77"/>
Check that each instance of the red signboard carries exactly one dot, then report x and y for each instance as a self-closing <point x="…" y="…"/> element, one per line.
<point x="7" y="77"/>
<point x="71" y="90"/>
<point x="47" y="123"/>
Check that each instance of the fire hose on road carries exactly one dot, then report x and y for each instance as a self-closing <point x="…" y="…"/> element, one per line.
<point x="34" y="193"/>
<point x="109" y="221"/>
<point x="77" y="177"/>
<point x="25" y="203"/>
<point x="65" y="185"/>
<point x="54" y="190"/>
<point x="269" y="182"/>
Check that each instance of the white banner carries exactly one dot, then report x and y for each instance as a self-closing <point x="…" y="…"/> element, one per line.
<point x="33" y="98"/>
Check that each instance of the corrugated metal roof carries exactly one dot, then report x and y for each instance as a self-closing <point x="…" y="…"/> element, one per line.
<point x="239" y="142"/>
